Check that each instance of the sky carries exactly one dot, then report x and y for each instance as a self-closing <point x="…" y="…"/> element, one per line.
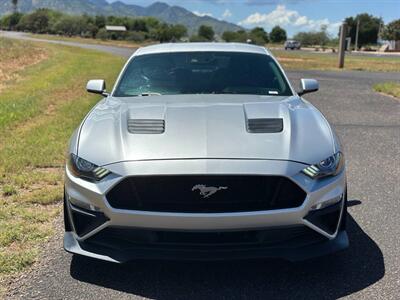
<point x="293" y="15"/>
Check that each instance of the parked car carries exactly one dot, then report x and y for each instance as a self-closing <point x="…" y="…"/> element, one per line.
<point x="293" y="45"/>
<point x="204" y="151"/>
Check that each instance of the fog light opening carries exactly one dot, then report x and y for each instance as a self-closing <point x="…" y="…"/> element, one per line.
<point x="327" y="203"/>
<point x="83" y="205"/>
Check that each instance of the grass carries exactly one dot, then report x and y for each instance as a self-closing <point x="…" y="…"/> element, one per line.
<point x="294" y="60"/>
<point x="297" y="60"/>
<point x="38" y="113"/>
<point x="389" y="88"/>
<point x="122" y="43"/>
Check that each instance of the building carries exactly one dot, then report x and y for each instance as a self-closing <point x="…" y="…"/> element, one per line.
<point x="112" y="28"/>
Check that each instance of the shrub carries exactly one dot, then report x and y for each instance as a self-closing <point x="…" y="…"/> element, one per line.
<point x="102" y="34"/>
<point x="197" y="39"/>
<point x="136" y="36"/>
<point x="312" y="38"/>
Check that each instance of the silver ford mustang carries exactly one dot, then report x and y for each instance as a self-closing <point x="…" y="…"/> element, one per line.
<point x="204" y="151"/>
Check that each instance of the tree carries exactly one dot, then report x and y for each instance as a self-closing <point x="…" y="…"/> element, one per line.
<point x="138" y="25"/>
<point x="368" y="29"/>
<point x="10" y="22"/>
<point x="206" y="32"/>
<point x="100" y="21"/>
<point x="259" y="36"/>
<point x="277" y="35"/>
<point x="178" y="31"/>
<point x="15" y="6"/>
<point x="167" y="33"/>
<point x="36" y="22"/>
<point x="391" y="32"/>
<point x="75" y="25"/>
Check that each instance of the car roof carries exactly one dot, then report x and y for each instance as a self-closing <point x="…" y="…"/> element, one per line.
<point x="202" y="47"/>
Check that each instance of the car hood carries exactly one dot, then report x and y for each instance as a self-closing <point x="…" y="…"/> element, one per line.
<point x="205" y="127"/>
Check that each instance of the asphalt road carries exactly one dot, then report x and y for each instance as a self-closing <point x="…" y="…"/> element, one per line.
<point x="369" y="126"/>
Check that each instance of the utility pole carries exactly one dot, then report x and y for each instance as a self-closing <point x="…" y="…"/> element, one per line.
<point x="342" y="44"/>
<point x="380" y="31"/>
<point x="357" y="30"/>
<point x="15" y="6"/>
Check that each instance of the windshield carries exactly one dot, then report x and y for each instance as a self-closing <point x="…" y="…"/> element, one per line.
<point x="202" y="73"/>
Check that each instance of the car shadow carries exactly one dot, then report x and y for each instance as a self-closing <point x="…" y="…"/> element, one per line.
<point x="328" y="277"/>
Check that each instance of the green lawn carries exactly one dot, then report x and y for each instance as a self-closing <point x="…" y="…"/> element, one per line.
<point x="297" y="60"/>
<point x="389" y="88"/>
<point x="39" y="109"/>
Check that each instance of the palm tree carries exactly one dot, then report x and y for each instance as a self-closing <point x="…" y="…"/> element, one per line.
<point x="15" y="5"/>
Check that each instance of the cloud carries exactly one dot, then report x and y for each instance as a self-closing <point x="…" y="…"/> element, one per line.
<point x="227" y="14"/>
<point x="285" y="17"/>
<point x="202" y="14"/>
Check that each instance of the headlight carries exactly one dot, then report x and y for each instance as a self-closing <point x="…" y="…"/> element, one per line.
<point x="331" y="166"/>
<point x="85" y="169"/>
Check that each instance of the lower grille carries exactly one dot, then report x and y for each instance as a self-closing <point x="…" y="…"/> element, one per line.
<point x="85" y="220"/>
<point x="206" y="193"/>
<point x="327" y="218"/>
<point x="125" y="238"/>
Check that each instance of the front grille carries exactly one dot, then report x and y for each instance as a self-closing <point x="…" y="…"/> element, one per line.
<point x="206" y="193"/>
<point x="126" y="238"/>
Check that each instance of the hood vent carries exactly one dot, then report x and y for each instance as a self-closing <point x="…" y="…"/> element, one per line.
<point x="264" y="125"/>
<point x="146" y="126"/>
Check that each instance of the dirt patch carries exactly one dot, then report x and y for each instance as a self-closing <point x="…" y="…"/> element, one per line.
<point x="288" y="59"/>
<point x="12" y="64"/>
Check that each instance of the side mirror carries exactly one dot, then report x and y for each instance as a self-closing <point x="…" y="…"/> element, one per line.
<point x="308" y="86"/>
<point x="97" y="86"/>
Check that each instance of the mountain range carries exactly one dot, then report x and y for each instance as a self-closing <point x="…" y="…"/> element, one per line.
<point x="159" y="10"/>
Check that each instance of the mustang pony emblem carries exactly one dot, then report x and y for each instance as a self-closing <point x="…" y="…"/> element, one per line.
<point x="207" y="191"/>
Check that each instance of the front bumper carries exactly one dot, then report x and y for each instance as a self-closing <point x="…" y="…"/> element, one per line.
<point x="85" y="197"/>
<point x="295" y="253"/>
